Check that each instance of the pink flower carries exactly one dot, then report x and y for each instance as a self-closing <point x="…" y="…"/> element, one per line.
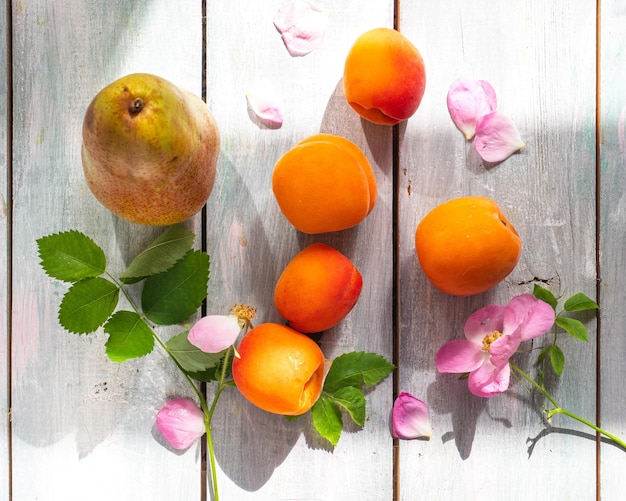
<point x="469" y="100"/>
<point x="493" y="334"/>
<point x="215" y="333"/>
<point x="181" y="422"/>
<point x="409" y="418"/>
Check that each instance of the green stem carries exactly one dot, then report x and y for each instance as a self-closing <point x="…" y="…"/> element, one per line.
<point x="208" y="413"/>
<point x="209" y="442"/>
<point x="559" y="410"/>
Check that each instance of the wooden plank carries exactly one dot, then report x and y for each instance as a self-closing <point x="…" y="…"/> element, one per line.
<point x="4" y="196"/>
<point x="540" y="58"/>
<point x="83" y="427"/>
<point x="262" y="456"/>
<point x="612" y="241"/>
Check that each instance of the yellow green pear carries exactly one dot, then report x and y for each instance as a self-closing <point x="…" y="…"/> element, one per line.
<point x="149" y="150"/>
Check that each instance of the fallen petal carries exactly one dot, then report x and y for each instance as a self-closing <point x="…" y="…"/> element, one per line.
<point x="468" y="101"/>
<point x="497" y="138"/>
<point x="409" y="418"/>
<point x="265" y="103"/>
<point x="214" y="333"/>
<point x="302" y="25"/>
<point x="180" y="422"/>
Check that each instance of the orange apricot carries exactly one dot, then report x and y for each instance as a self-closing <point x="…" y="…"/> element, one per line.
<point x="279" y="369"/>
<point x="466" y="245"/>
<point x="324" y="183"/>
<point x="317" y="289"/>
<point x="384" y="76"/>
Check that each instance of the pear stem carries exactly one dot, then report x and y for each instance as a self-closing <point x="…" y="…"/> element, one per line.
<point x="136" y="106"/>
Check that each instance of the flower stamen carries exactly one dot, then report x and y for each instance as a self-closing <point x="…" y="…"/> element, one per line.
<point x="490" y="338"/>
<point x="243" y="312"/>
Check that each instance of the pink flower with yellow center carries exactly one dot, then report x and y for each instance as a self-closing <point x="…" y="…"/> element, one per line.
<point x="493" y="334"/>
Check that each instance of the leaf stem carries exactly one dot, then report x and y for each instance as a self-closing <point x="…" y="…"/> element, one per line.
<point x="560" y="410"/>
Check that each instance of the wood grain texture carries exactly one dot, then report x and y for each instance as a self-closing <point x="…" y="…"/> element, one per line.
<point x="4" y="240"/>
<point x="612" y="241"/>
<point x="546" y="85"/>
<point x="83" y="426"/>
<point x="262" y="456"/>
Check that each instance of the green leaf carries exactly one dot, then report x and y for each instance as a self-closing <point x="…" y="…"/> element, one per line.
<point x="355" y="369"/>
<point x="176" y="294"/>
<point x="71" y="256"/>
<point x="545" y="295"/>
<point x="557" y="359"/>
<point x="129" y="336"/>
<point x="191" y="358"/>
<point x="327" y="419"/>
<point x="88" y="304"/>
<point x="160" y="255"/>
<point x="580" y="302"/>
<point x="207" y="376"/>
<point x="573" y="327"/>
<point x="352" y="400"/>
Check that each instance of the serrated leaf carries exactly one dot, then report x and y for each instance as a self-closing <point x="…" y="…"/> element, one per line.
<point x="160" y="255"/>
<point x="129" y="336"/>
<point x="580" y="302"/>
<point x="176" y="294"/>
<point x="557" y="359"/>
<point x="573" y="327"/>
<point x="88" y="304"/>
<point x="190" y="357"/>
<point x="545" y="295"/>
<point x="71" y="256"/>
<point x="326" y="417"/>
<point x="352" y="400"/>
<point x="355" y="369"/>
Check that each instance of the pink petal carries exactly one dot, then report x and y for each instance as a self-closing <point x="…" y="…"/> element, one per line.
<point x="483" y="322"/>
<point x="302" y="25"/>
<point x="265" y="104"/>
<point x="468" y="101"/>
<point x="409" y="418"/>
<point x="497" y="138"/>
<point x="459" y="356"/>
<point x="503" y="348"/>
<point x="489" y="381"/>
<point x="181" y="422"/>
<point x="214" y="333"/>
<point x="532" y="316"/>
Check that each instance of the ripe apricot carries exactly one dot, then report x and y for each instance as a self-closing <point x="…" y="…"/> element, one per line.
<point x="324" y="183"/>
<point x="279" y="369"/>
<point x="384" y="76"/>
<point x="466" y="245"/>
<point x="317" y="289"/>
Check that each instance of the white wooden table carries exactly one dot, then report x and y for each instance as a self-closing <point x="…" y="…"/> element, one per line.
<point x="75" y="426"/>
